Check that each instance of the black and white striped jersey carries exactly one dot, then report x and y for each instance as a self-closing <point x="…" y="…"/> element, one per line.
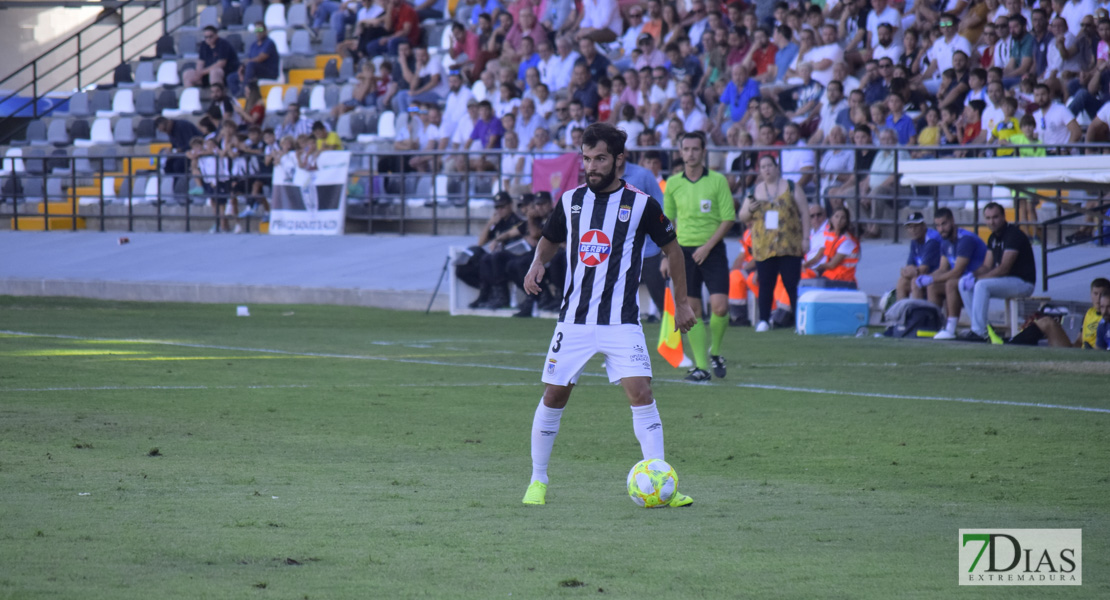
<point x="605" y="246"/>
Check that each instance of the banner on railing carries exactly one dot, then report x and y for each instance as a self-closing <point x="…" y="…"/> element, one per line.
<point x="555" y="175"/>
<point x="311" y="202"/>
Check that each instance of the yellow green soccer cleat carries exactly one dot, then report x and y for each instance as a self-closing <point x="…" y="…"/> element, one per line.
<point x="994" y="337"/>
<point x="536" y="493"/>
<point x="680" y="500"/>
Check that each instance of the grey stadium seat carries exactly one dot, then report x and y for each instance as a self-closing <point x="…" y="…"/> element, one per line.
<point x="297" y="17"/>
<point x="254" y="13"/>
<point x="145" y="104"/>
<point x="79" y="105"/>
<point x="57" y="133"/>
<point x="35" y="132"/>
<point x="124" y="131"/>
<point x="301" y="43"/>
<point x="144" y="72"/>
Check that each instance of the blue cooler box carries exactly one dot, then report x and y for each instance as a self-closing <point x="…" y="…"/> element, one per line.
<point x="831" y="312"/>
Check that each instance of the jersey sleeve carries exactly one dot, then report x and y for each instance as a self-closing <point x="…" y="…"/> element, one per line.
<point x="555" y="229"/>
<point x="930" y="256"/>
<point x="657" y="225"/>
<point x="727" y="209"/>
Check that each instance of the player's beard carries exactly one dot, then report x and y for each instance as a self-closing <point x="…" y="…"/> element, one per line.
<point x="605" y="181"/>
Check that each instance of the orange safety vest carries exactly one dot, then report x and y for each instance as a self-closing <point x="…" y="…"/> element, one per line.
<point x="846" y="270"/>
<point x="746" y="245"/>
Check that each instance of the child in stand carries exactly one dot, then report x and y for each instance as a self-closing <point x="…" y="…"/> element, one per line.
<point x="213" y="170"/>
<point x="1024" y="140"/>
<point x="1008" y="126"/>
<point x="231" y="150"/>
<point x="254" y="150"/>
<point x="930" y="133"/>
<point x="307" y="152"/>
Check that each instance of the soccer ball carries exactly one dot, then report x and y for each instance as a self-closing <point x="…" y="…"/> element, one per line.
<point x="652" y="483"/>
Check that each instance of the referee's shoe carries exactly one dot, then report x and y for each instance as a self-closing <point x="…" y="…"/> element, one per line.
<point x="718" y="363"/>
<point x="698" y="375"/>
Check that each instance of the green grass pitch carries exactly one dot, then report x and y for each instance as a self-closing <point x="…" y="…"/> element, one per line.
<point x="177" y="451"/>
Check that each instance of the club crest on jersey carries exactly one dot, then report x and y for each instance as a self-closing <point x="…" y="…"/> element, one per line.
<point x="551" y="362"/>
<point x="594" y="248"/>
<point x="624" y="214"/>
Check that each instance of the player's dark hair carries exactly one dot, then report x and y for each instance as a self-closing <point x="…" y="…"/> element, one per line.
<point x="1101" y="283"/>
<point x="944" y="213"/>
<point x="995" y="206"/>
<point x="603" y="132"/>
<point x="695" y="135"/>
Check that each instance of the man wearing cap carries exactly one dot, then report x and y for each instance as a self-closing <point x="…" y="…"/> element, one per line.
<point x="924" y="259"/>
<point x="504" y="226"/>
<point x="650" y="56"/>
<point x="262" y="57"/>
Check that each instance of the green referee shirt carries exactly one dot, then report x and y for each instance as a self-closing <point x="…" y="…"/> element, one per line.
<point x="698" y="207"/>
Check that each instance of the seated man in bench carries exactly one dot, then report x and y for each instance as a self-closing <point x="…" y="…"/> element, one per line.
<point x="962" y="252"/>
<point x="1009" y="272"/>
<point x="924" y="259"/>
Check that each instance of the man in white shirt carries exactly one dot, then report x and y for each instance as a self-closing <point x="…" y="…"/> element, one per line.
<point x="940" y="53"/>
<point x="693" y="119"/>
<point x="797" y="165"/>
<point x="565" y="67"/>
<point x="825" y="56"/>
<point x="630" y="39"/>
<point x="527" y="121"/>
<point x="663" y="93"/>
<point x="1074" y="11"/>
<point x="992" y="114"/>
<point x="886" y="48"/>
<point x="881" y="12"/>
<point x="601" y="21"/>
<point x="1002" y="47"/>
<point x="1055" y="123"/>
<point x="454" y="111"/>
<point x="460" y="139"/>
<point x="840" y="73"/>
<point x="832" y="102"/>
<point x="577" y="120"/>
<point x="549" y="63"/>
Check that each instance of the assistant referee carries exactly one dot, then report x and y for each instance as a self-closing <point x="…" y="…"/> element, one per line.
<point x="699" y="203"/>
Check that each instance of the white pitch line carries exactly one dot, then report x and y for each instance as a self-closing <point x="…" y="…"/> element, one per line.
<point x="512" y="368"/>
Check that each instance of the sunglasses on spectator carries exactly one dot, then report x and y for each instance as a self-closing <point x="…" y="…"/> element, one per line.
<point x="817" y="213"/>
<point x="946" y="23"/>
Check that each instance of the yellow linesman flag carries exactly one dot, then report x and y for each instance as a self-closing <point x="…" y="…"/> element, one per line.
<point x="670" y="340"/>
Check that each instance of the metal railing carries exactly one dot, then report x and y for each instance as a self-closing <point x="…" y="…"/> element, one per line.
<point x="402" y="200"/>
<point x="89" y="57"/>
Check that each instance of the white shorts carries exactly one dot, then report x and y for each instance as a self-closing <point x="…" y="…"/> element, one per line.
<point x="572" y="346"/>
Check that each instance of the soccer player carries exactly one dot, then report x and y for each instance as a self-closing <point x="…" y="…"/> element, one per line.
<point x="962" y="252"/>
<point x="603" y="224"/>
<point x="699" y="202"/>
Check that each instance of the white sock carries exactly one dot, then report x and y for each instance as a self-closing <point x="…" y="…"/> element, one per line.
<point x="950" y="326"/>
<point x="545" y="426"/>
<point x="649" y="430"/>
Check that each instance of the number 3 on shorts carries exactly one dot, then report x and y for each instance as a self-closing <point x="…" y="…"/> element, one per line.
<point x="558" y="342"/>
